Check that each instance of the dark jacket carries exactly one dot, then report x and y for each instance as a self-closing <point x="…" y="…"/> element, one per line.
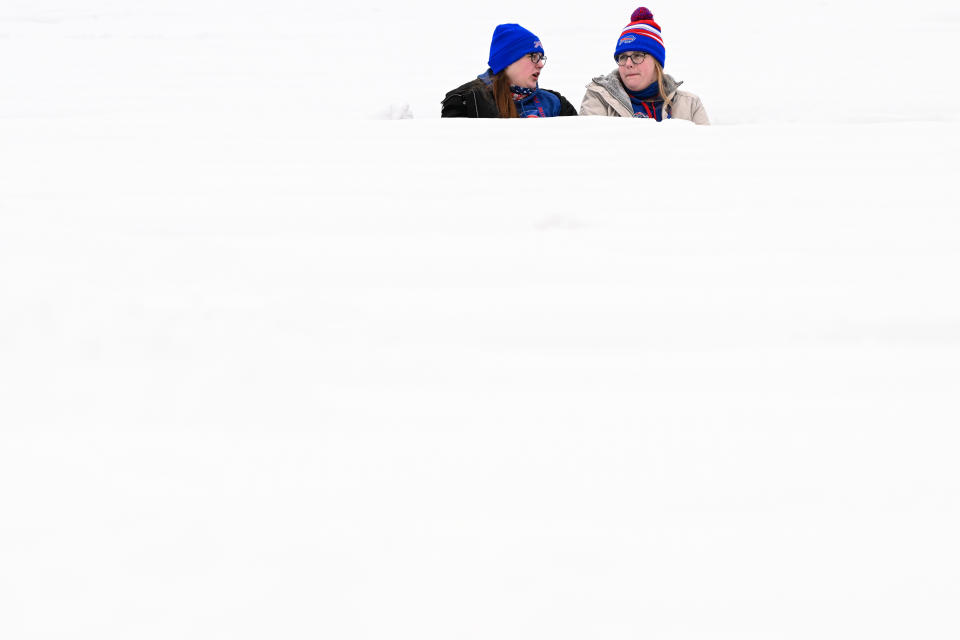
<point x="475" y="100"/>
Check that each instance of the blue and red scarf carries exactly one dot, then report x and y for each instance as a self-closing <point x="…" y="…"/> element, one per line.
<point x="528" y="103"/>
<point x="531" y="103"/>
<point x="647" y="103"/>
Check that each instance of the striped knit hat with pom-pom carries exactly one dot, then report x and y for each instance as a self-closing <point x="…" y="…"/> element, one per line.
<point x="642" y="34"/>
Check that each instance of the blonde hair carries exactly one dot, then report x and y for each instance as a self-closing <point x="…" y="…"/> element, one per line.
<point x="667" y="104"/>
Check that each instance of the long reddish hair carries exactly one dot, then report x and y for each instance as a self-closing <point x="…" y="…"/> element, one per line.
<point x="503" y="95"/>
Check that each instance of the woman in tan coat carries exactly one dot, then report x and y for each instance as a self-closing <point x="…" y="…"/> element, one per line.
<point x="639" y="88"/>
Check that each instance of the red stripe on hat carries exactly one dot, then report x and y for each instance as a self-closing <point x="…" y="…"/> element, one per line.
<point x="649" y="23"/>
<point x="641" y="32"/>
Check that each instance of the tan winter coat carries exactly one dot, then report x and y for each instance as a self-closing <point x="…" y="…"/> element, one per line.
<point x="606" y="97"/>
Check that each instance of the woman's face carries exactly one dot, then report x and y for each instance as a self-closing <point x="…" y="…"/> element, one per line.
<point x="637" y="76"/>
<point x="525" y="72"/>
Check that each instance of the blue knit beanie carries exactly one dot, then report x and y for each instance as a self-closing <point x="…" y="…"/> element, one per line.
<point x="510" y="43"/>
<point x="642" y="34"/>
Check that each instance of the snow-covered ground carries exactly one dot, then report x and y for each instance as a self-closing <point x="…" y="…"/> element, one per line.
<point x="273" y="364"/>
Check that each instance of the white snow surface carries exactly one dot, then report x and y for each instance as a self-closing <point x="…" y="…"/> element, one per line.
<point x="279" y="361"/>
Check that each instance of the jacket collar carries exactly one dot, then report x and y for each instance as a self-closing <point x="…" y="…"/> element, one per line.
<point x="614" y="87"/>
<point x="519" y="93"/>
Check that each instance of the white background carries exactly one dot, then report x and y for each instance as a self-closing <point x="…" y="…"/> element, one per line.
<point x="274" y="364"/>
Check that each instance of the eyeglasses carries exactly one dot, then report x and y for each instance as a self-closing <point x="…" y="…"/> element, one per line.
<point x="636" y="57"/>
<point x="535" y="58"/>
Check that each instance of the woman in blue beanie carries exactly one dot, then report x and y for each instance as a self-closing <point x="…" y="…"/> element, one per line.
<point x="639" y="88"/>
<point x="510" y="88"/>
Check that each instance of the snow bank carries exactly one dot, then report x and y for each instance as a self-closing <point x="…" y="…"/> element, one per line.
<point x="268" y="371"/>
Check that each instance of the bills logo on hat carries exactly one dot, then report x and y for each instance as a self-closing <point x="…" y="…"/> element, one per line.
<point x="642" y="34"/>
<point x="511" y="42"/>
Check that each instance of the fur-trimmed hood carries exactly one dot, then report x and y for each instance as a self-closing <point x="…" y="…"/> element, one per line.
<point x="612" y="83"/>
<point x="606" y="96"/>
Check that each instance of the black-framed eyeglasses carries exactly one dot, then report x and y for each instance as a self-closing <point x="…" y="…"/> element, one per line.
<point x="535" y="58"/>
<point x="636" y="57"/>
